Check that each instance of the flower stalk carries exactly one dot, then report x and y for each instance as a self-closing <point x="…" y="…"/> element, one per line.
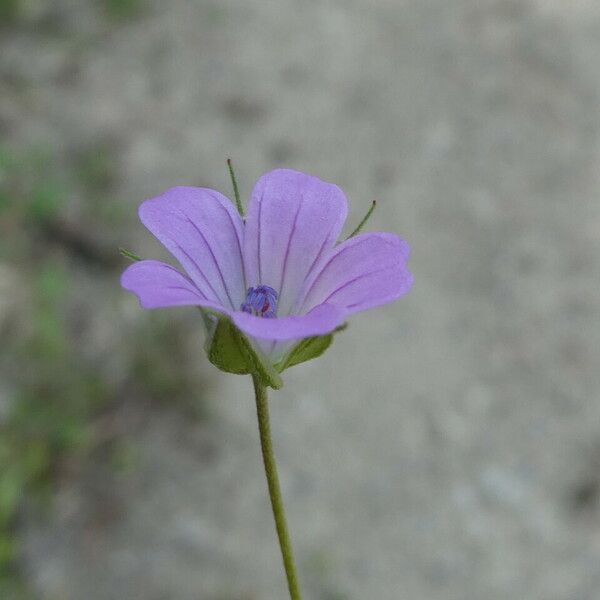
<point x="266" y="443"/>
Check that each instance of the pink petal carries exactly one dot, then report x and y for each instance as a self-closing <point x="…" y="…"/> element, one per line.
<point x="293" y="219"/>
<point x="364" y="271"/>
<point x="202" y="229"/>
<point x="158" y="285"/>
<point x="323" y="319"/>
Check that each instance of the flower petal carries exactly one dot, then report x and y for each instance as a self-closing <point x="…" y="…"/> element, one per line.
<point x="158" y="285"/>
<point x="293" y="219"/>
<point x="364" y="271"/>
<point x="320" y="320"/>
<point x="202" y="229"/>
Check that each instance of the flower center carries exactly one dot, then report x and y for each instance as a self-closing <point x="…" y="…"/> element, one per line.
<point x="261" y="301"/>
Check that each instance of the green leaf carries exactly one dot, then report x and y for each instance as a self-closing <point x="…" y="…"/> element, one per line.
<point x="231" y="351"/>
<point x="307" y="349"/>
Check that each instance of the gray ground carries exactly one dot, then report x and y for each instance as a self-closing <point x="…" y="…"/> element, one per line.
<point x="448" y="446"/>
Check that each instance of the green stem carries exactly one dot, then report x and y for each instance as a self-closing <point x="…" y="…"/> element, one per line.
<point x="264" y="428"/>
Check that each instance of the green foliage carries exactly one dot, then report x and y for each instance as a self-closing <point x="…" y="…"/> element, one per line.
<point x="42" y="419"/>
<point x="122" y="9"/>
<point x="50" y="408"/>
<point x="48" y="342"/>
<point x="9" y="10"/>
<point x="57" y="389"/>
<point x="31" y="190"/>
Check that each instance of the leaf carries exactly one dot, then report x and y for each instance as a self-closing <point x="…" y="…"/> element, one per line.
<point x="307" y="349"/>
<point x="231" y="351"/>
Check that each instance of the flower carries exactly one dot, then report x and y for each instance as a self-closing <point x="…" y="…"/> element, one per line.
<point x="279" y="275"/>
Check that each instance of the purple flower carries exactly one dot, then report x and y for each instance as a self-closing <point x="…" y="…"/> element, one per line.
<point x="279" y="276"/>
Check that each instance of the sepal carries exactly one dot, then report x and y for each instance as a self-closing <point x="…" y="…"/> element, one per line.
<point x="307" y="349"/>
<point x="230" y="350"/>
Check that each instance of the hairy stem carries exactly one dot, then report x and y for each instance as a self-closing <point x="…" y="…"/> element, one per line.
<point x="264" y="428"/>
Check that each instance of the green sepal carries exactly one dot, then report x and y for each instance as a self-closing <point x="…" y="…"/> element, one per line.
<point x="307" y="349"/>
<point x="130" y="255"/>
<point x="225" y="351"/>
<point x="231" y="351"/>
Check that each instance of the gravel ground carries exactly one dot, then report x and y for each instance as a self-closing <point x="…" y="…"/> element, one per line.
<point x="448" y="446"/>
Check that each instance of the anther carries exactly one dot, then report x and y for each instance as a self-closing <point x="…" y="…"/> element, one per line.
<point x="261" y="301"/>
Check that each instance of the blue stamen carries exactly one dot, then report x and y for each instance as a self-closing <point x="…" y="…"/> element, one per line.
<point x="261" y="301"/>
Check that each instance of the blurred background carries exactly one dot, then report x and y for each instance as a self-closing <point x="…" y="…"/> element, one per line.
<point x="447" y="447"/>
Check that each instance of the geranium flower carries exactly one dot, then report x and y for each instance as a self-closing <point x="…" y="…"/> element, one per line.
<point x="272" y="287"/>
<point x="278" y="275"/>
